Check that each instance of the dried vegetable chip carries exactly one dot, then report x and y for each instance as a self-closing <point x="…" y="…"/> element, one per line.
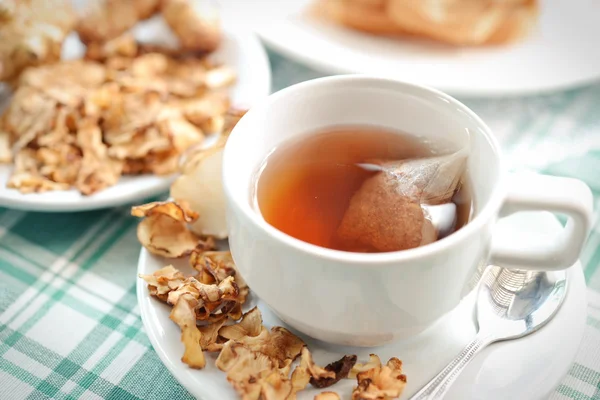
<point x="163" y="281"/>
<point x="5" y="153"/>
<point x="163" y="231"/>
<point x="200" y="183"/>
<point x="197" y="30"/>
<point x="380" y="383"/>
<point x="183" y="315"/>
<point x="374" y="362"/>
<point x="278" y="344"/>
<point x="106" y="19"/>
<point x="213" y="267"/>
<point x="32" y="33"/>
<point x="250" y="325"/>
<point x="340" y="368"/>
<point x="210" y="335"/>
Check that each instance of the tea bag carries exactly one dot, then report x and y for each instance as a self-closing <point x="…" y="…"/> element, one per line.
<point x="390" y="211"/>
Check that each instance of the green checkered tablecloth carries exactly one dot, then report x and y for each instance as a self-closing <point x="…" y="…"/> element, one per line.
<point x="70" y="326"/>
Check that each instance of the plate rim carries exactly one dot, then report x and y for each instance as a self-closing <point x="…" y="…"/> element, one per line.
<point x="329" y="67"/>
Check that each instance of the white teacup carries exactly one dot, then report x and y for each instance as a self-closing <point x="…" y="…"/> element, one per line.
<point x="371" y="299"/>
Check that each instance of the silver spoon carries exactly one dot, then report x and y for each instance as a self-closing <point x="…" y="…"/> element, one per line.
<point x="510" y="305"/>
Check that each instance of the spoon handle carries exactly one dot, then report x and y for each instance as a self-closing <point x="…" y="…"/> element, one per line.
<point x="439" y="385"/>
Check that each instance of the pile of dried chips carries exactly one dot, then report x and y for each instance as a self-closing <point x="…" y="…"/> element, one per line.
<point x="127" y="108"/>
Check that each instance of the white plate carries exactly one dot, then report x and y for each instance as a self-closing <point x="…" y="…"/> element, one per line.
<point x="563" y="52"/>
<point x="241" y="49"/>
<point x="524" y="369"/>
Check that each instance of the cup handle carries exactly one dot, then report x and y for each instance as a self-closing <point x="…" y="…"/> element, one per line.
<point x="533" y="192"/>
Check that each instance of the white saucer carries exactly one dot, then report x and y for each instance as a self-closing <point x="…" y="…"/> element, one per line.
<point x="524" y="369"/>
<point x="561" y="53"/>
<point x="240" y="49"/>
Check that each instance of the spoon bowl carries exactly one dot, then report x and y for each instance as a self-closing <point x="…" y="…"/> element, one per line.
<point x="513" y="304"/>
<point x="510" y="304"/>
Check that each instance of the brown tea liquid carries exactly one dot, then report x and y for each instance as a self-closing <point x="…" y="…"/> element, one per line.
<point x="306" y="185"/>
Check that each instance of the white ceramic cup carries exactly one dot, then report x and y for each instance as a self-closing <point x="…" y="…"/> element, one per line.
<point x="371" y="299"/>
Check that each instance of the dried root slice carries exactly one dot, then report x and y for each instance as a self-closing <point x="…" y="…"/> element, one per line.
<point x="193" y="300"/>
<point x="252" y="374"/>
<point x="327" y="396"/>
<point x="316" y="372"/>
<point x="213" y="267"/>
<point x="217" y="272"/>
<point x="207" y="112"/>
<point x="381" y="383"/>
<point x="278" y="344"/>
<point x="250" y="325"/>
<point x="164" y="236"/>
<point x="164" y="229"/>
<point x="318" y="376"/>
<point x="340" y="368"/>
<point x="182" y="133"/>
<point x="144" y="144"/>
<point x="306" y="371"/>
<point x="212" y="300"/>
<point x="194" y="23"/>
<point x="228" y="301"/>
<point x="374" y="362"/>
<point x="32" y="33"/>
<point x="121" y="46"/>
<point x="210" y="335"/>
<point x="190" y="299"/>
<point x="29" y="115"/>
<point x="27" y="177"/>
<point x="184" y="316"/>
<point x="206" y="244"/>
<point x="98" y="170"/>
<point x="33" y="183"/>
<point x="106" y="19"/>
<point x="210" y="297"/>
<point x="300" y="377"/>
<point x="248" y="371"/>
<point x="276" y="387"/>
<point x="163" y="281"/>
<point x="201" y="185"/>
<point x="177" y="211"/>
<point x="231" y="353"/>
<point x="5" y="153"/>
<point x="220" y="77"/>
